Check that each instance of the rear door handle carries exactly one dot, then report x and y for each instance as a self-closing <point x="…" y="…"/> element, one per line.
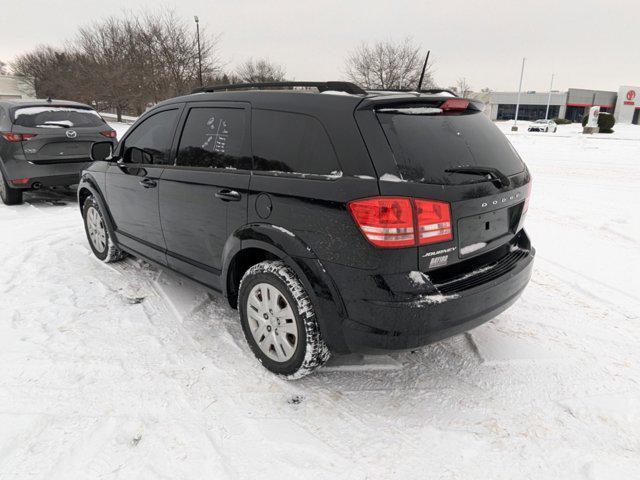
<point x="148" y="183"/>
<point x="228" y="195"/>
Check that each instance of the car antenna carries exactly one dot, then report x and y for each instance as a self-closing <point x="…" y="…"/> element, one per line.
<point x="424" y="69"/>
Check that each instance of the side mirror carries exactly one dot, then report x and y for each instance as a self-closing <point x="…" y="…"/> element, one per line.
<point x="101" y="151"/>
<point x="138" y="156"/>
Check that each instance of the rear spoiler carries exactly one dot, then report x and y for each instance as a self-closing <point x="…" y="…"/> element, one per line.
<point x="427" y="91"/>
<point x="398" y="101"/>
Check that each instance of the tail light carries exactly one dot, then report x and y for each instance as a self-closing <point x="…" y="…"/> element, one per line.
<point x="526" y="200"/>
<point x="17" y="137"/>
<point x="455" y="104"/>
<point x="19" y="181"/>
<point x="385" y="221"/>
<point x="393" y="222"/>
<point x="109" y="133"/>
<point x="434" y="221"/>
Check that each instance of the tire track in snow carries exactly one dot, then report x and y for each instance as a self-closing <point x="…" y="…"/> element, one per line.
<point x="160" y="313"/>
<point x="592" y="280"/>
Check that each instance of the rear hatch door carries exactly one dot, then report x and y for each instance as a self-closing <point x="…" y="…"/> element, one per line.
<point x="454" y="155"/>
<point x="60" y="134"/>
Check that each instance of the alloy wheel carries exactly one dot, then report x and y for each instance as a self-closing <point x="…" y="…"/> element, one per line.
<point x="96" y="229"/>
<point x="272" y="322"/>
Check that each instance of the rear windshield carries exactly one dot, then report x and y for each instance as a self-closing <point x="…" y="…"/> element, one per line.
<point x="425" y="144"/>
<point x="56" y="117"/>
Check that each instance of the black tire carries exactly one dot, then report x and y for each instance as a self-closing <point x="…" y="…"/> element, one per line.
<point x="310" y="351"/>
<point x="105" y="249"/>
<point x="10" y="196"/>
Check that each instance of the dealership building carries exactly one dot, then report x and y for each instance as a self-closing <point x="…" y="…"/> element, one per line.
<point x="15" y="87"/>
<point x="571" y="105"/>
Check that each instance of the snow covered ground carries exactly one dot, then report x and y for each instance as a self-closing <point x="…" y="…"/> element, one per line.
<point x="129" y="372"/>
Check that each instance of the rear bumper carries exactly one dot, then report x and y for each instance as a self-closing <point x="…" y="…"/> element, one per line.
<point x="381" y="325"/>
<point x="48" y="175"/>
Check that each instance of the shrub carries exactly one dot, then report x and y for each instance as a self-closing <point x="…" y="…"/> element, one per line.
<point x="606" y="121"/>
<point x="562" y="121"/>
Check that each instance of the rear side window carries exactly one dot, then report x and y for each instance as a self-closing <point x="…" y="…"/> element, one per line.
<point x="292" y="143"/>
<point x="56" y="117"/>
<point x="150" y="142"/>
<point x="214" y="138"/>
<point x="425" y="145"/>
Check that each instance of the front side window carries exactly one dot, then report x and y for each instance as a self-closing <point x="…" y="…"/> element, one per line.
<point x="150" y="142"/>
<point x="214" y="138"/>
<point x="292" y="143"/>
<point x="57" y="117"/>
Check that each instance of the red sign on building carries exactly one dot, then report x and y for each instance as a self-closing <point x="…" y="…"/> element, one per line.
<point x="631" y="95"/>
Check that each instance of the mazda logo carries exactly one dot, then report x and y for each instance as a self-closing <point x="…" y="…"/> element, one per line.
<point x="72" y="134"/>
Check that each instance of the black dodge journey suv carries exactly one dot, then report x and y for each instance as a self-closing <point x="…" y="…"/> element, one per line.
<point x="334" y="219"/>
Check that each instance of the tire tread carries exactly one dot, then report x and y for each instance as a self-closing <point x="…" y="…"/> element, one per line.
<point x="317" y="353"/>
<point x="114" y="254"/>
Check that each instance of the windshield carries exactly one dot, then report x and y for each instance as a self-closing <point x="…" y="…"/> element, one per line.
<point x="425" y="146"/>
<point x="57" y="117"/>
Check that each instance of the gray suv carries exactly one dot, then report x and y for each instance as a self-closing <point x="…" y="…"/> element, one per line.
<point x="45" y="143"/>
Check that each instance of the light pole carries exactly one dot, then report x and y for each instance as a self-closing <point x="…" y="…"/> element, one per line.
<point x="199" y="51"/>
<point x="515" y="122"/>
<point x="546" y="115"/>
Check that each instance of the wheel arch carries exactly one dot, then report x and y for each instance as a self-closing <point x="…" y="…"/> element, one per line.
<point x="87" y="188"/>
<point x="258" y="242"/>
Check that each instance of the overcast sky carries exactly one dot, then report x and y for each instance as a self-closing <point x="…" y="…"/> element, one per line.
<point x="587" y="43"/>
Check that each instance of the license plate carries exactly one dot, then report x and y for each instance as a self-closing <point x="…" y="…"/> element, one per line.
<point x="476" y="232"/>
<point x="65" y="148"/>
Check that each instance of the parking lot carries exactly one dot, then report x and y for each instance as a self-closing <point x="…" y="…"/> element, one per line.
<point x="128" y="371"/>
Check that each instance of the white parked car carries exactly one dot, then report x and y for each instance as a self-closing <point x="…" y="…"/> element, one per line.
<point x="543" y="126"/>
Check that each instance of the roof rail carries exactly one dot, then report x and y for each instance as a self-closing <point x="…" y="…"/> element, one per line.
<point x="346" y="87"/>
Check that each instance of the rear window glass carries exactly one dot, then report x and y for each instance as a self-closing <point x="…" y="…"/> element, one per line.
<point x="293" y="143"/>
<point x="214" y="138"/>
<point x="56" y="117"/>
<point x="426" y="145"/>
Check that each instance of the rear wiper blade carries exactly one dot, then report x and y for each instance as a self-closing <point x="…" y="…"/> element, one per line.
<point x="498" y="177"/>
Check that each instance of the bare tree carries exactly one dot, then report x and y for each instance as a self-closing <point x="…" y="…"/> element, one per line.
<point x="109" y="70"/>
<point x="51" y="72"/>
<point x="388" y="65"/>
<point x="140" y="60"/>
<point x="260" y="70"/>
<point x="462" y="87"/>
<point x="173" y="53"/>
<point x="125" y="63"/>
